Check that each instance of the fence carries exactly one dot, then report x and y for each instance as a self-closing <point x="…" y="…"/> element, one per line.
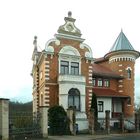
<point x="24" y="124"/>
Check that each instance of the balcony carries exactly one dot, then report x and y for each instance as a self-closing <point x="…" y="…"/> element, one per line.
<point x="71" y="78"/>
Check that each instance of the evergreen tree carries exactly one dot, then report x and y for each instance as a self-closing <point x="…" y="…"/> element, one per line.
<point x="94" y="105"/>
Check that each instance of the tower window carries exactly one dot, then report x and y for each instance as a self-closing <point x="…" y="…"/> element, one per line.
<point x="64" y="67"/>
<point x="129" y="101"/>
<point x="129" y="73"/>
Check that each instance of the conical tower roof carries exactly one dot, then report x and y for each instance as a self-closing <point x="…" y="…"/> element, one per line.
<point x="121" y="43"/>
<point x="122" y="46"/>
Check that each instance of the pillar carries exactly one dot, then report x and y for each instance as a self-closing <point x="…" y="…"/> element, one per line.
<point x="122" y="122"/>
<point x="44" y="121"/>
<point x="4" y="119"/>
<point x="107" y="121"/>
<point x="91" y="122"/>
<point x="71" y="115"/>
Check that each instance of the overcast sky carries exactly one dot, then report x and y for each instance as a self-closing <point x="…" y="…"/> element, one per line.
<point x="100" y="22"/>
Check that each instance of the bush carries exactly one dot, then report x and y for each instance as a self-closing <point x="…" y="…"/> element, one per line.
<point x="58" y="120"/>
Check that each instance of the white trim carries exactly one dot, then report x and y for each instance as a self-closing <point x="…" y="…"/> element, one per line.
<point x="47" y="100"/>
<point x="120" y="86"/>
<point x="129" y="68"/>
<point x="90" y="90"/>
<point x="120" y="90"/>
<point x="47" y="92"/>
<point x="90" y="71"/>
<point x="120" y="81"/>
<point x="90" y="94"/>
<point x="47" y="74"/>
<point x="60" y="35"/>
<point x="47" y="62"/>
<point x="90" y="67"/>
<point x="47" y="88"/>
<point x="90" y="82"/>
<point x="47" y="96"/>
<point x="90" y="74"/>
<point x="89" y="78"/>
<point x="47" y="78"/>
<point x="47" y="66"/>
<point x="90" y="98"/>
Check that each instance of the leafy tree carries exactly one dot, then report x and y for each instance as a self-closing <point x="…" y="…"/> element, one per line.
<point x="58" y="121"/>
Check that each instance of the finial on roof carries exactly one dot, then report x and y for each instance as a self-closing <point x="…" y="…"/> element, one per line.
<point x="121" y="30"/>
<point x="69" y="14"/>
<point x="35" y="40"/>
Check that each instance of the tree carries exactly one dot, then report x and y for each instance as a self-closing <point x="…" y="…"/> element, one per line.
<point x="95" y="109"/>
<point x="94" y="105"/>
<point x="137" y="106"/>
<point x="58" y="121"/>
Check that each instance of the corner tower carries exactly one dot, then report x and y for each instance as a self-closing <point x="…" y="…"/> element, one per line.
<point x="122" y="58"/>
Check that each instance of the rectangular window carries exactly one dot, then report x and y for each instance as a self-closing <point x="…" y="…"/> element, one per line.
<point x="94" y="82"/>
<point x="100" y="83"/>
<point x="106" y="83"/>
<point x="75" y="68"/>
<point x="64" y="67"/>
<point x="100" y="106"/>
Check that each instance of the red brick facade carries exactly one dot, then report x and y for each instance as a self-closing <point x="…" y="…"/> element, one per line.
<point x="48" y="80"/>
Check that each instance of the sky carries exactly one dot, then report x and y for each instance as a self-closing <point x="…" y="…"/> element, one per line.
<point x="100" y="22"/>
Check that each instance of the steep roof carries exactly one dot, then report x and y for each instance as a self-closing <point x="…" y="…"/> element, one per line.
<point x="100" y="60"/>
<point x="99" y="70"/>
<point x="121" y="43"/>
<point x="103" y="92"/>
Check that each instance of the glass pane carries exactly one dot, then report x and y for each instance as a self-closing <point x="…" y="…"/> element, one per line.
<point x="66" y="70"/>
<point x="70" y="101"/>
<point x="76" y="71"/>
<point x="77" y="102"/>
<point x="72" y="70"/>
<point x="75" y="64"/>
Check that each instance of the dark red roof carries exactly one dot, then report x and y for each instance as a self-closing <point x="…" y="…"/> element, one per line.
<point x="104" y="92"/>
<point x="99" y="70"/>
<point x="99" y="60"/>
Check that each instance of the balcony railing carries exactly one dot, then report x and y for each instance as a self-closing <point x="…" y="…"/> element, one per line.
<point x="71" y="78"/>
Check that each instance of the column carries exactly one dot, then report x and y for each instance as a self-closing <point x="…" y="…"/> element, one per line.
<point x="91" y="122"/>
<point x="44" y="121"/>
<point x="71" y="115"/>
<point x="122" y="122"/>
<point x="4" y="119"/>
<point x="107" y="120"/>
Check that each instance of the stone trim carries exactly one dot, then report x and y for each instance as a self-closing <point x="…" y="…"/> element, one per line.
<point x="120" y="90"/>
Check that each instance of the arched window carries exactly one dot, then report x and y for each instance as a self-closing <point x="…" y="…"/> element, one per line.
<point x="129" y="73"/>
<point x="74" y="98"/>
